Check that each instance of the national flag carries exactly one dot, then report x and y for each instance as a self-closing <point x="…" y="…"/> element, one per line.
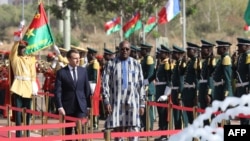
<point x="113" y="25"/>
<point x="169" y="11"/>
<point x="151" y="23"/>
<point x="132" y="25"/>
<point x="247" y="17"/>
<point x="38" y="35"/>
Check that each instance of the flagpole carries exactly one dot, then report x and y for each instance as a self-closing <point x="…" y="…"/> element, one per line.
<point x="23" y="10"/>
<point x="184" y="24"/>
<point x="121" y="31"/>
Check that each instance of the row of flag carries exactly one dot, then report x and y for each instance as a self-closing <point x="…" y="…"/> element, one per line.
<point x="39" y="35"/>
<point x="166" y="14"/>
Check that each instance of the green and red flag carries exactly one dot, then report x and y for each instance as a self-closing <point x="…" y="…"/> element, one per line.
<point x="247" y="17"/>
<point x="112" y="26"/>
<point x="151" y="23"/>
<point x="38" y="35"/>
<point x="132" y="25"/>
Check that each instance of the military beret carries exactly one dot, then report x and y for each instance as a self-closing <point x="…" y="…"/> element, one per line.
<point x="107" y="51"/>
<point x="51" y="55"/>
<point x="205" y="43"/>
<point x="145" y="45"/>
<point x="91" y="50"/>
<point x="79" y="48"/>
<point x="192" y="46"/>
<point x="165" y="49"/>
<point x="178" y="49"/>
<point x="223" y="43"/>
<point x="23" y="43"/>
<point x="243" y="41"/>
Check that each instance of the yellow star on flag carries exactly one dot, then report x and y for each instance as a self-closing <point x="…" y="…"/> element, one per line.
<point x="37" y="16"/>
<point x="30" y="33"/>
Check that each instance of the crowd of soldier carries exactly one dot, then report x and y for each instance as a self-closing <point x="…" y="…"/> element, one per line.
<point x="191" y="77"/>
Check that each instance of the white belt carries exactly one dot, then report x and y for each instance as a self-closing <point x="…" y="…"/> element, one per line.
<point x="23" y="78"/>
<point x="175" y="88"/>
<point x="242" y="84"/>
<point x="203" y="81"/>
<point x="186" y="85"/>
<point x="218" y="83"/>
<point x="160" y="83"/>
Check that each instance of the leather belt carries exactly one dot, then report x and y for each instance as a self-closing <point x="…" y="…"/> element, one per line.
<point x="218" y="83"/>
<point x="242" y="84"/>
<point x="203" y="81"/>
<point x="186" y="85"/>
<point x="23" y="78"/>
<point x="160" y="83"/>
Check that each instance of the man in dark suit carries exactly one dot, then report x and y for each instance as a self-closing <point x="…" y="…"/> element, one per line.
<point x="72" y="90"/>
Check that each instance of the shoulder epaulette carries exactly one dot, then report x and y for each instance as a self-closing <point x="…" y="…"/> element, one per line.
<point x="167" y="65"/>
<point x="226" y="61"/>
<point x="248" y="58"/>
<point x="96" y="65"/>
<point x="150" y="60"/>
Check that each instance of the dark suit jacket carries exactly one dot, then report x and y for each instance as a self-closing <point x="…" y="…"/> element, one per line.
<point x="70" y="96"/>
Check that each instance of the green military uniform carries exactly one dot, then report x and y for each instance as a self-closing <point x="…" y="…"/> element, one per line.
<point x="177" y="86"/>
<point x="222" y="75"/>
<point x="93" y="70"/>
<point x="205" y="77"/>
<point x="162" y="81"/>
<point x="148" y="65"/>
<point x="189" y="93"/>
<point x="243" y="71"/>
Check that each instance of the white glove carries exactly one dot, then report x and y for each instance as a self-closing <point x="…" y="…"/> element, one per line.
<point x="61" y="111"/>
<point x="34" y="88"/>
<point x="92" y="87"/>
<point x="145" y="82"/>
<point x="167" y="91"/>
<point x="56" y="49"/>
<point x="163" y="98"/>
<point x="18" y="34"/>
<point x="53" y="64"/>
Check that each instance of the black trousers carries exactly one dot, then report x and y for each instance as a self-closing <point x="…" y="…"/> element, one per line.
<point x="21" y="102"/>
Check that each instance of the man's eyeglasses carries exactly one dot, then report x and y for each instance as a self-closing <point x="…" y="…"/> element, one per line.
<point x="125" y="49"/>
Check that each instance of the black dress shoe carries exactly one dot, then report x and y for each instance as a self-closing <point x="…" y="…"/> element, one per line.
<point x="162" y="138"/>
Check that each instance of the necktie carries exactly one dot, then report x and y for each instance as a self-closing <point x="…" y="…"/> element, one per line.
<point x="74" y="75"/>
<point x="124" y="75"/>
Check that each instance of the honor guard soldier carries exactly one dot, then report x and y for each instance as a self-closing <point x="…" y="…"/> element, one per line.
<point x="243" y="71"/>
<point x="4" y="82"/>
<point x="177" y="84"/>
<point x="222" y="74"/>
<point x="83" y="55"/>
<point x="134" y="52"/>
<point x="189" y="93"/>
<point x="108" y="54"/>
<point x="148" y="66"/>
<point x="205" y="75"/>
<point x="163" y="88"/>
<point x="49" y="82"/>
<point x="94" y="76"/>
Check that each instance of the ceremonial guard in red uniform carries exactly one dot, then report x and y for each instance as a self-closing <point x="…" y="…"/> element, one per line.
<point x="49" y="82"/>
